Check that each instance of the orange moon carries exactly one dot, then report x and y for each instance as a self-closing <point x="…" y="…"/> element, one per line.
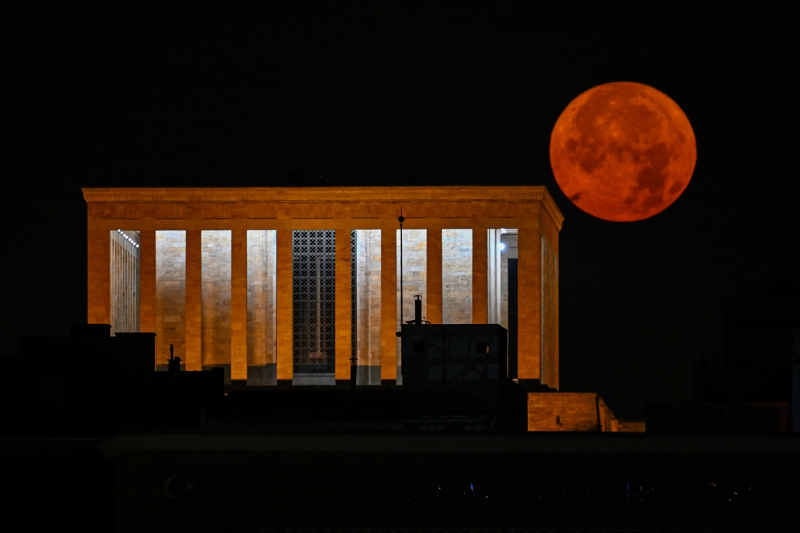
<point x="623" y="151"/>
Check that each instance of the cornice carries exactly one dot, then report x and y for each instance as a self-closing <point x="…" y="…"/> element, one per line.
<point x="552" y="210"/>
<point x="311" y="194"/>
<point x="325" y="194"/>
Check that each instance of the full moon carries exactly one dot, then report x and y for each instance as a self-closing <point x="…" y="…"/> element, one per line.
<point x="623" y="151"/>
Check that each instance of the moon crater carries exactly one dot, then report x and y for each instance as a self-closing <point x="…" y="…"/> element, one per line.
<point x="623" y="151"/>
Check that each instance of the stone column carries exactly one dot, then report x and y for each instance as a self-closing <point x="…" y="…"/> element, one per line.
<point x="239" y="304"/>
<point x="121" y="251"/>
<point x="388" y="301"/>
<point x="480" y="286"/>
<point x="549" y="310"/>
<point x="369" y="307"/>
<point x="99" y="275"/>
<point x="495" y="297"/>
<point x="130" y="324"/>
<point x="260" y="307"/>
<point x="113" y="285"/>
<point x="529" y="304"/>
<point x="120" y="258"/>
<point x="283" y="320"/>
<point x="147" y="281"/>
<point x="194" y="298"/>
<point x="435" y="275"/>
<point x="343" y="305"/>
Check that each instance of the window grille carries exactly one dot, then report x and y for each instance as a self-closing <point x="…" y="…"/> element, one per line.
<point x="314" y="291"/>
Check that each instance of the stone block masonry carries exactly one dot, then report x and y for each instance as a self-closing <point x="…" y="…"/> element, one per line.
<point x="457" y="256"/>
<point x="215" y="277"/>
<point x="572" y="411"/>
<point x="216" y="330"/>
<point x="549" y="313"/>
<point x="193" y="289"/>
<point x="170" y="294"/>
<point x="194" y="300"/>
<point x="415" y="270"/>
<point x="368" y="310"/>
<point x="261" y="307"/>
<point x="124" y="259"/>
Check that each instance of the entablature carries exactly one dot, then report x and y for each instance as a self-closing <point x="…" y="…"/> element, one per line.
<point x="321" y="202"/>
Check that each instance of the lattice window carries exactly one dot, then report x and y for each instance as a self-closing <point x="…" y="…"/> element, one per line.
<point x="314" y="281"/>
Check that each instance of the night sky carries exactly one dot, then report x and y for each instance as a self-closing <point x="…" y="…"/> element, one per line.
<point x="381" y="93"/>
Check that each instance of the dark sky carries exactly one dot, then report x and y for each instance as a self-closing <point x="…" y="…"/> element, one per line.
<point x="397" y="94"/>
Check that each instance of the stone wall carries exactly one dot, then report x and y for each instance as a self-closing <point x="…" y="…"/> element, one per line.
<point x="124" y="259"/>
<point x="168" y="210"/>
<point x="573" y="411"/>
<point x="457" y="276"/>
<point x="368" y="306"/>
<point x="562" y="411"/>
<point x="415" y="262"/>
<point x="549" y="314"/>
<point x="216" y="297"/>
<point x="261" y="271"/>
<point x="170" y="294"/>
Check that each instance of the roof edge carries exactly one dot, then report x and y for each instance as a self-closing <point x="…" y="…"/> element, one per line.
<point x="473" y="193"/>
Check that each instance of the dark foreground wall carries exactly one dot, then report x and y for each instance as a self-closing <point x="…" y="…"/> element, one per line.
<point x="55" y="484"/>
<point x="269" y="482"/>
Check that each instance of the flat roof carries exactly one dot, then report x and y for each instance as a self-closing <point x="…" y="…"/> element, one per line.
<point x="472" y="193"/>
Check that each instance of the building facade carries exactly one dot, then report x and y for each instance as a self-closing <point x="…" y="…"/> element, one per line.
<point x="286" y="285"/>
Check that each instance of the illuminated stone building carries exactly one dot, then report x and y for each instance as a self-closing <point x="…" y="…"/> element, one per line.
<point x="285" y="285"/>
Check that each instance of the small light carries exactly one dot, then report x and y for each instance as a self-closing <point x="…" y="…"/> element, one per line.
<point x="501" y="246"/>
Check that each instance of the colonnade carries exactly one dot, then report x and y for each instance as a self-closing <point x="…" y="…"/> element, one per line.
<point x="195" y="210"/>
